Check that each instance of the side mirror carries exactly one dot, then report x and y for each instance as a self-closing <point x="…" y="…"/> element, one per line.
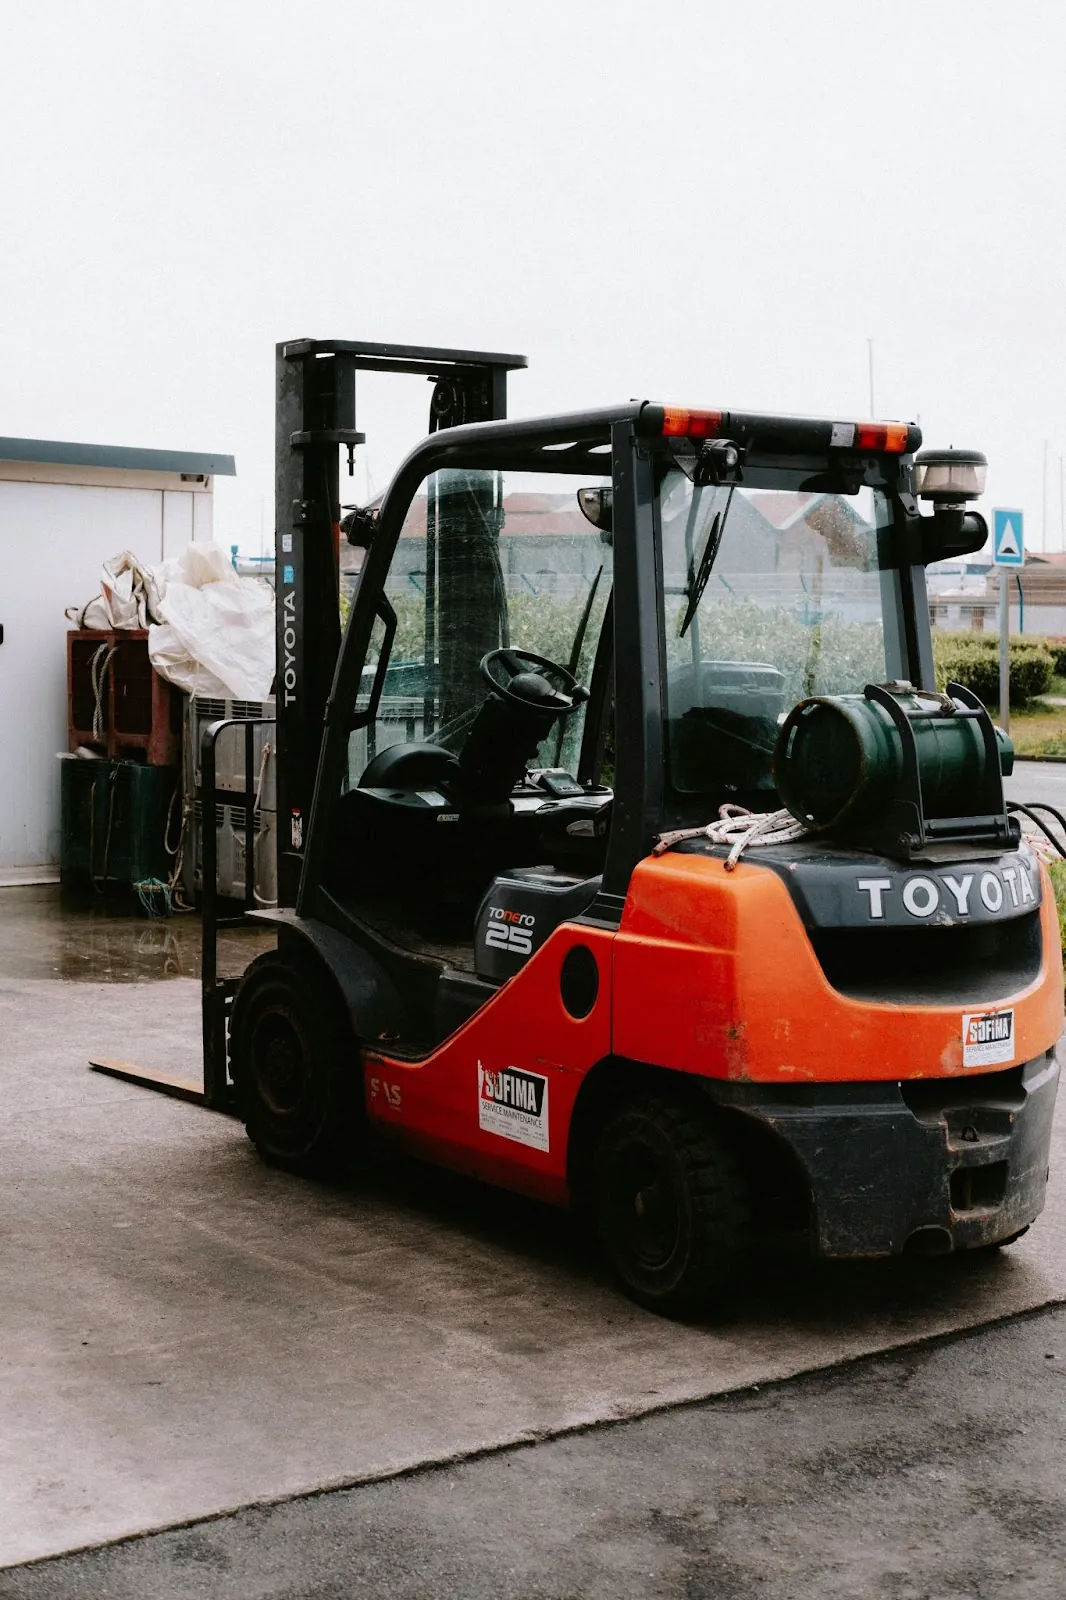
<point x="948" y="479"/>
<point x="597" y="505"/>
<point x="359" y="525"/>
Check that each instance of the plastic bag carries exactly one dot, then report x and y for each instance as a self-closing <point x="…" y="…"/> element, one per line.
<point x="129" y="596"/>
<point x="215" y="634"/>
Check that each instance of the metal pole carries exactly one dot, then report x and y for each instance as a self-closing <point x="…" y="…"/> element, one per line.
<point x="1004" y="652"/>
<point x="870" y="356"/>
<point x="1043" y="518"/>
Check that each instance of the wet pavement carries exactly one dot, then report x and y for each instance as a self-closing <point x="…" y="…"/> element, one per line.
<point x="78" y="937"/>
<point x="184" y="1330"/>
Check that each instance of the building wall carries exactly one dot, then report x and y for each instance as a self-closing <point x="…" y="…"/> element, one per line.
<point x="1040" y="619"/>
<point x="57" y="527"/>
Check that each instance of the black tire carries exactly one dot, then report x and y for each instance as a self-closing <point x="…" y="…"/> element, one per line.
<point x="672" y="1204"/>
<point x="294" y="1063"/>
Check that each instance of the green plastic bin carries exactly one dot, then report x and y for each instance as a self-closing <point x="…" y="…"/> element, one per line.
<point x="113" y="818"/>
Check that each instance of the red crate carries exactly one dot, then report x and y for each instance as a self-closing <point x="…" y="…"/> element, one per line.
<point x="140" y="713"/>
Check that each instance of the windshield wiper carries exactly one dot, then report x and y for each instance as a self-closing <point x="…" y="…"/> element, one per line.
<point x="575" y="655"/>
<point x="698" y="579"/>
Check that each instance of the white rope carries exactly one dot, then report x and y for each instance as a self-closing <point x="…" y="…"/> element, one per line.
<point x="175" y="882"/>
<point x="738" y="827"/>
<point x="264" y="832"/>
<point x="98" y="666"/>
<point x="268" y="750"/>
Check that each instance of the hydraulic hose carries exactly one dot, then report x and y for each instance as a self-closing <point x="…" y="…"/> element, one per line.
<point x="1030" y="808"/>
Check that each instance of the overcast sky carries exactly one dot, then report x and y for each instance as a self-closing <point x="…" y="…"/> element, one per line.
<point x="701" y="202"/>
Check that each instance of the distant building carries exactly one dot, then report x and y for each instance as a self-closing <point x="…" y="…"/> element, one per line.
<point x="964" y="596"/>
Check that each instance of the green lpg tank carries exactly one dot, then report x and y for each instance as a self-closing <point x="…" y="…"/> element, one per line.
<point x="841" y="761"/>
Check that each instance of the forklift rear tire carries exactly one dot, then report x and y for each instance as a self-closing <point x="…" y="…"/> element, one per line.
<point x="294" y="1067"/>
<point x="672" y="1203"/>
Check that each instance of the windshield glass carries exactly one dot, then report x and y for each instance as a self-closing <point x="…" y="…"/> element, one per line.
<point x="770" y="595"/>
<point x="484" y="559"/>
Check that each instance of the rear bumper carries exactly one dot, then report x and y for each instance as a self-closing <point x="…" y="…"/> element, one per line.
<point x="932" y="1164"/>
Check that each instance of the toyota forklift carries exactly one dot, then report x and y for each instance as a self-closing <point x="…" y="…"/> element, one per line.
<point x="537" y="922"/>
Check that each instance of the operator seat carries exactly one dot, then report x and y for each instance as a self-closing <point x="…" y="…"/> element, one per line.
<point x="411" y="766"/>
<point x="406" y="833"/>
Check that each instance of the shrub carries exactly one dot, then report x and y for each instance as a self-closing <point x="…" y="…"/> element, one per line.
<point x="828" y="657"/>
<point x="972" y="659"/>
<point x="1057" y="647"/>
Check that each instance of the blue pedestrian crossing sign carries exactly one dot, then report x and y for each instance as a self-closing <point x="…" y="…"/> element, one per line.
<point x="1008" y="541"/>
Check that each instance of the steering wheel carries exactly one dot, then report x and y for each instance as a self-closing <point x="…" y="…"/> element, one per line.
<point x="521" y="678"/>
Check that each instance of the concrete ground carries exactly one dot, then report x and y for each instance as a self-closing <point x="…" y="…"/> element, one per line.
<point x="184" y="1332"/>
<point x="928" y="1474"/>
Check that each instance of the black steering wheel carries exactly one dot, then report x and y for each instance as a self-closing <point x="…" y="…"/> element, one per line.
<point x="522" y="679"/>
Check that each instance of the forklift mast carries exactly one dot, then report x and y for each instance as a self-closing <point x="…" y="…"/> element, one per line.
<point x="315" y="419"/>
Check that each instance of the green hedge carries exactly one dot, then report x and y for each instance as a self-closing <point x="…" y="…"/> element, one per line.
<point x="972" y="659"/>
<point x="828" y="657"/>
<point x="1057" y="648"/>
<point x="1057" y="870"/>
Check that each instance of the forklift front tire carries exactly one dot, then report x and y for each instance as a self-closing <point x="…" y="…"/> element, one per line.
<point x="672" y="1204"/>
<point x="293" y="1063"/>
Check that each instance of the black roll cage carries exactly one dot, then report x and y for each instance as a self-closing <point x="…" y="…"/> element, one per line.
<point x="626" y="444"/>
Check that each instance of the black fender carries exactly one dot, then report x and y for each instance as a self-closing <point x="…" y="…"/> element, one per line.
<point x="777" y="1178"/>
<point x="608" y="1083"/>
<point x="365" y="988"/>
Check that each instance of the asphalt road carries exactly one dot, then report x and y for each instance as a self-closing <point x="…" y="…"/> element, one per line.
<point x="933" y="1473"/>
<point x="1039" y="780"/>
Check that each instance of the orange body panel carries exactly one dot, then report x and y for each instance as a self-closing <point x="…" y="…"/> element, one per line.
<point x="710" y="973"/>
<point x="714" y="974"/>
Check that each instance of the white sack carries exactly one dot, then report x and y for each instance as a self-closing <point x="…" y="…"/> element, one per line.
<point x="171" y="659"/>
<point x="216" y="631"/>
<point x="202" y="563"/>
<point x="129" y="596"/>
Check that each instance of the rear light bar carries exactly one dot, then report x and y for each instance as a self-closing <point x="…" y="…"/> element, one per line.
<point x="890" y="437"/>
<point x="679" y="423"/>
<point x="800" y="433"/>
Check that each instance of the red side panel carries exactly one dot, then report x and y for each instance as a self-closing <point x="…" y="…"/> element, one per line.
<point x="495" y="1099"/>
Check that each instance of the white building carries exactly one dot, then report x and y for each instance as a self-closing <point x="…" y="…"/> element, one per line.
<point x="64" y="509"/>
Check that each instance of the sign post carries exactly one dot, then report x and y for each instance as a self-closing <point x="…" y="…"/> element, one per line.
<point x="1008" y="550"/>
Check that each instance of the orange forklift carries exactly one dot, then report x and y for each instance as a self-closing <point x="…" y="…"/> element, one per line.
<point x="515" y="937"/>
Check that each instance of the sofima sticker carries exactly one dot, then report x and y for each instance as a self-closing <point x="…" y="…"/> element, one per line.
<point x="514" y="1105"/>
<point x="987" y="1038"/>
